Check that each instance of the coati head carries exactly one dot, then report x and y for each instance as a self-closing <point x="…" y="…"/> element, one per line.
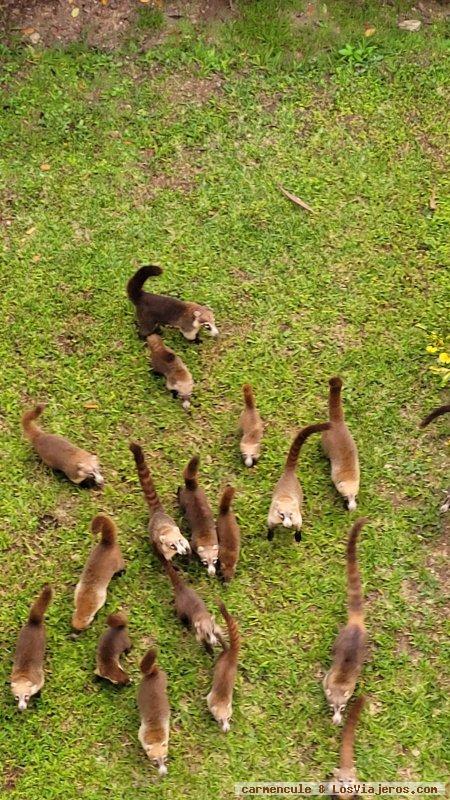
<point x="227" y="568"/>
<point x="23" y="690"/>
<point x="346" y="777"/>
<point x="157" y="752"/>
<point x="288" y="514"/>
<point x="349" y="490"/>
<point x="221" y="712"/>
<point x="89" y="470"/>
<point x="337" y="697"/>
<point x="209" y="556"/>
<point x="203" y="318"/>
<point x="172" y="542"/>
<point x="205" y="630"/>
<point x="250" y="453"/>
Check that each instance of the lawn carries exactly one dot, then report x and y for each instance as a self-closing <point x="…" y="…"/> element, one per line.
<point x="172" y="153"/>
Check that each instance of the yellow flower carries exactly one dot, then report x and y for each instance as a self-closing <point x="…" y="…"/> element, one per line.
<point x="444" y="358"/>
<point x="431" y="349"/>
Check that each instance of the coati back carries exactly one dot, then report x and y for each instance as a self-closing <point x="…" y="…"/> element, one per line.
<point x="58" y="453"/>
<point x="153" y="310"/>
<point x="165" y="534"/>
<point x="220" y="698"/>
<point x="112" y="644"/>
<point x="103" y="563"/>
<point x="349" y="648"/>
<point x="192" y="611"/>
<point x="340" y="447"/>
<point x="346" y="773"/>
<point x="154" y="711"/>
<point x="287" y="499"/>
<point x="229" y="536"/>
<point x="166" y="362"/>
<point x="27" y="677"/>
<point x="195" y="507"/>
<point x="251" y="425"/>
<point x="438" y="412"/>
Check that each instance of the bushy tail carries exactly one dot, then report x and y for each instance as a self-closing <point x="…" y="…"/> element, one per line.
<point x="174" y="575"/>
<point x="434" y="414"/>
<point x="302" y="436"/>
<point x="233" y="632"/>
<point x="135" y="284"/>
<point x="348" y="734"/>
<point x="334" y="400"/>
<point x="40" y="605"/>
<point x="146" y="481"/>
<point x="29" y="426"/>
<point x="354" y="589"/>
<point x="190" y="474"/>
<point x="226" y="500"/>
<point x="104" y="525"/>
<point x="148" y="663"/>
<point x="249" y="398"/>
<point x="117" y="620"/>
<point x="157" y="347"/>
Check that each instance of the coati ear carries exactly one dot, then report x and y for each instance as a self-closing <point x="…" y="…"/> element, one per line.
<point x="197" y="314"/>
<point x="162" y="539"/>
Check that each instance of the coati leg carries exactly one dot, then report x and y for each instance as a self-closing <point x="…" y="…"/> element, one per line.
<point x="298" y="535"/>
<point x="270" y="534"/>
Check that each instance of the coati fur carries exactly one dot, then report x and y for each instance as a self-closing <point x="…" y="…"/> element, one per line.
<point x="340" y="447"/>
<point x="165" y="534"/>
<point x="153" y="310"/>
<point x="58" y="453"/>
<point x="195" y="507"/>
<point x="220" y="697"/>
<point x="166" y="362"/>
<point x="27" y="677"/>
<point x="252" y="428"/>
<point x="112" y="644"/>
<point x="154" y="711"/>
<point x="345" y="775"/>
<point x="229" y="536"/>
<point x="349" y="648"/>
<point x="103" y="563"/>
<point x="192" y="611"/>
<point x="287" y="499"/>
<point x="437" y="412"/>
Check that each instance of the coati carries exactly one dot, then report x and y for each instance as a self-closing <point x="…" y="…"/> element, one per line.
<point x="346" y="773"/>
<point x="195" y="507"/>
<point x="286" y="506"/>
<point x="154" y="711"/>
<point x="349" y="648"/>
<point x="112" y="644"/>
<point x="166" y="362"/>
<point x="437" y="412"/>
<point x="229" y="536"/>
<point x="27" y="676"/>
<point x="340" y="447"/>
<point x="58" y="453"/>
<point x="251" y="425"/>
<point x="153" y="310"/>
<point x="103" y="563"/>
<point x="221" y="695"/>
<point x="165" y="534"/>
<point x="192" y="611"/>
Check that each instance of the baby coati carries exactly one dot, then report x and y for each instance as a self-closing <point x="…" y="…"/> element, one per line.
<point x="27" y="676"/>
<point x="349" y="648"/>
<point x="104" y="562"/>
<point x="220" y="697"/>
<point x="286" y="506"/>
<point x="165" y="534"/>
<point x="153" y="310"/>
<point x="112" y="644"/>
<point x="192" y="611"/>
<point x="58" y="453"/>
<point x="345" y="775"/>
<point x="166" y="362"/>
<point x="251" y="425"/>
<point x="437" y="412"/>
<point x="229" y="536"/>
<point x="196" y="509"/>
<point x="154" y="711"/>
<point x="340" y="447"/>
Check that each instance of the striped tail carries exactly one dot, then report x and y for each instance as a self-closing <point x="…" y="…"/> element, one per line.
<point x="146" y="481"/>
<point x="175" y="577"/>
<point x="226" y="500"/>
<point x="437" y="412"/>
<point x="148" y="663"/>
<point x="40" y="605"/>
<point x="348" y="734"/>
<point x="29" y="426"/>
<point x="334" y="400"/>
<point x="354" y="588"/>
<point x="190" y="474"/>
<point x="117" y="620"/>
<point x="249" y="398"/>
<point x="104" y="525"/>
<point x="136" y="282"/>
<point x="302" y="436"/>
<point x="233" y="632"/>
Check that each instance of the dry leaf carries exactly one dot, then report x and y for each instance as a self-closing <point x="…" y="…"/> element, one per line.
<point x="410" y="25"/>
<point x="75" y="11"/>
<point x="36" y="258"/>
<point x="297" y="200"/>
<point x="45" y="167"/>
<point x="432" y="201"/>
<point x="91" y="405"/>
<point x="27" y="31"/>
<point x="369" y="31"/>
<point x="31" y="230"/>
<point x="35" y="37"/>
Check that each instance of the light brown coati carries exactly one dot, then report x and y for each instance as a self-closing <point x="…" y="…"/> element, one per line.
<point x="340" y="448"/>
<point x="27" y="677"/>
<point x="287" y="498"/>
<point x="103" y="563"/>
<point x="437" y="412"/>
<point x="195" y="507"/>
<point x="349" y="648"/>
<point x="251" y="425"/>
<point x="58" y="453"/>
<point x="153" y="310"/>
<point x="166" y="362"/>
<point x="112" y="644"/>
<point x="229" y="536"/>
<point x="165" y="534"/>
<point x="154" y="711"/>
<point x="192" y="611"/>
<point x="346" y="773"/>
<point x="220" y="697"/>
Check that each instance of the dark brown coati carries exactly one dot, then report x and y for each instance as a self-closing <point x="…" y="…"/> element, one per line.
<point x="192" y="611"/>
<point x="27" y="676"/>
<point x="166" y="362"/>
<point x="195" y="507"/>
<point x="340" y="447"/>
<point x="154" y="711"/>
<point x="220" y="698"/>
<point x="112" y="644"/>
<point x="229" y="536"/>
<point x="252" y="428"/>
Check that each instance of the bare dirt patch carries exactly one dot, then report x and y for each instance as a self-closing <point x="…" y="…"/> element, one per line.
<point x="187" y="89"/>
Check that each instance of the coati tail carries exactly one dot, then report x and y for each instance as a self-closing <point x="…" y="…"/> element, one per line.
<point x="334" y="400"/>
<point x="226" y="500"/>
<point x="437" y="412"/>
<point x="348" y="734"/>
<point x="190" y="474"/>
<point x="40" y="605"/>
<point x="28" y="418"/>
<point x="117" y="620"/>
<point x="175" y="577"/>
<point x="157" y="345"/>
<point x="136" y="282"/>
<point x="248" y="396"/>
<point x="104" y="525"/>
<point x="148" y="663"/>
<point x="302" y="436"/>
<point x="233" y="632"/>
<point x="146" y="481"/>
<point x="355" y="599"/>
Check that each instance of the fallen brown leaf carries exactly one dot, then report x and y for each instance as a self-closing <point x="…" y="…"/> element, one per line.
<point x="45" y="167"/>
<point x="297" y="200"/>
<point x="432" y="201"/>
<point x="369" y="31"/>
<point x="91" y="405"/>
<point x="27" y="31"/>
<point x="36" y="258"/>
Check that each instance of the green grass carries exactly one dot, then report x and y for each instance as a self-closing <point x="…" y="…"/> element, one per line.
<point x="173" y="156"/>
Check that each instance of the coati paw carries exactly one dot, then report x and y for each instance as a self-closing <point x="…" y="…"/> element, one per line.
<point x="270" y="534"/>
<point x="298" y="536"/>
